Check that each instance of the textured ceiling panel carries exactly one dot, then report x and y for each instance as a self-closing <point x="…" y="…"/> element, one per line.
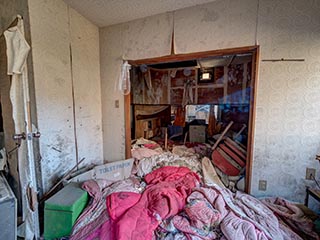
<point x="108" y="12"/>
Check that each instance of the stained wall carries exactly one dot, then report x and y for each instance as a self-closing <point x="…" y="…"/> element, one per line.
<point x="65" y="49"/>
<point x="287" y="112"/>
<point x="141" y="38"/>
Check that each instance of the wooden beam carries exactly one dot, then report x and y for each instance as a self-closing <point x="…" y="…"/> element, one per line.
<point x="127" y="125"/>
<point x="225" y="84"/>
<point x="244" y="82"/>
<point x="252" y="117"/>
<point x="222" y="135"/>
<point x="192" y="56"/>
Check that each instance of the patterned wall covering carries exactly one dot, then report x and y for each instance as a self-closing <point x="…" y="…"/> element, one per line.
<point x="287" y="134"/>
<point x="288" y="120"/>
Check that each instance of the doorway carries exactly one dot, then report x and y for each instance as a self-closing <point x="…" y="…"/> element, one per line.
<point x="193" y="98"/>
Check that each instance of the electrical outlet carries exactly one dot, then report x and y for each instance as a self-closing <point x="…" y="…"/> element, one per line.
<point x="310" y="173"/>
<point x="116" y="103"/>
<point x="262" y="185"/>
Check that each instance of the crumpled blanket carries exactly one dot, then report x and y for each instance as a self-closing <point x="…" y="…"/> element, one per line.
<point x="291" y="215"/>
<point x="147" y="165"/>
<point x="146" y="143"/>
<point x="119" y="203"/>
<point x="165" y="195"/>
<point x="140" y="153"/>
<point x="210" y="176"/>
<point x="89" y="224"/>
<point x="236" y="216"/>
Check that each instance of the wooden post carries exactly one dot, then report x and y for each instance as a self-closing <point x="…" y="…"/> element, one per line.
<point x="222" y="135"/>
<point x="166" y="139"/>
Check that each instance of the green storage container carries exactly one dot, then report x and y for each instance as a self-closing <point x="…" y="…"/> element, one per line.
<point x="62" y="210"/>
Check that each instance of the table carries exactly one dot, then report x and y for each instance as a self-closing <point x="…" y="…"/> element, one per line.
<point x="315" y="193"/>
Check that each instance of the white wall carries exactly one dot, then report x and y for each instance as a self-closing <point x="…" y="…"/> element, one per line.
<point x="288" y="119"/>
<point x="143" y="38"/>
<point x="58" y="35"/>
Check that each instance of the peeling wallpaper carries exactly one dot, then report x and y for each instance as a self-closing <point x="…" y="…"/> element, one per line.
<point x="54" y="30"/>
<point x="287" y="114"/>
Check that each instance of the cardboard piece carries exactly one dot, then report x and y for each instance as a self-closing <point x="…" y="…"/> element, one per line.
<point x="113" y="171"/>
<point x="82" y="177"/>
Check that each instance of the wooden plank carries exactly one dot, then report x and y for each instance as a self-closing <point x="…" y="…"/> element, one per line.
<point x="241" y="145"/>
<point x="225" y="84"/>
<point x="177" y="88"/>
<point x="196" y="87"/>
<point x="168" y="89"/>
<point x="236" y="150"/>
<point x="214" y="85"/>
<point x="222" y="135"/>
<point x="229" y="141"/>
<point x="127" y="126"/>
<point x="244" y="82"/>
<point x="228" y="158"/>
<point x="244" y="126"/>
<point x="252" y="116"/>
<point x="225" y="166"/>
<point x="192" y="56"/>
<point x="233" y="155"/>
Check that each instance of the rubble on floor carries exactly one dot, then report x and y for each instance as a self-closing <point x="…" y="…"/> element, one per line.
<point x="208" y="205"/>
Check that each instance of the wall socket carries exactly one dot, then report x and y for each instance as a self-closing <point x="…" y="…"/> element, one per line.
<point x="310" y="173"/>
<point x="116" y="103"/>
<point x="262" y="185"/>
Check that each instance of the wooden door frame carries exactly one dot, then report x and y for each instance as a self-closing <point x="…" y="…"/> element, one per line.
<point x="191" y="56"/>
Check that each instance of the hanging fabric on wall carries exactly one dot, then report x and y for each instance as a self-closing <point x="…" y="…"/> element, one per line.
<point x="124" y="80"/>
<point x="17" y="52"/>
<point x="187" y="93"/>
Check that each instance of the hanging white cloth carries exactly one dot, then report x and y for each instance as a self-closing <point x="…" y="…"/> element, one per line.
<point x="124" y="80"/>
<point x="17" y="52"/>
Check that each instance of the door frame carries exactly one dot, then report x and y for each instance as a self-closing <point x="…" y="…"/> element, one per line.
<point x="255" y="50"/>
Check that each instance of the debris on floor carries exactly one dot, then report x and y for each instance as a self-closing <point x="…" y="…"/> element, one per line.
<point x="189" y="191"/>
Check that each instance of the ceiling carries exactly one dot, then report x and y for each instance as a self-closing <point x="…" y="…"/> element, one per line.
<point x="109" y="12"/>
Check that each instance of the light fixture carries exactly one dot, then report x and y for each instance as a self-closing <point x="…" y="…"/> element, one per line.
<point x="205" y="76"/>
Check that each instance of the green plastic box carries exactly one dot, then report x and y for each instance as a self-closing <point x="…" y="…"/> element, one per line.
<point x="62" y="210"/>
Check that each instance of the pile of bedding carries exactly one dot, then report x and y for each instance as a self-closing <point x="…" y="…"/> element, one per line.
<point x="177" y="196"/>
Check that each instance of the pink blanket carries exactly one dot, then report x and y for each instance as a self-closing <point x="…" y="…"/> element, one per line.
<point x="212" y="211"/>
<point x="165" y="195"/>
<point x="90" y="223"/>
<point x="292" y="216"/>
